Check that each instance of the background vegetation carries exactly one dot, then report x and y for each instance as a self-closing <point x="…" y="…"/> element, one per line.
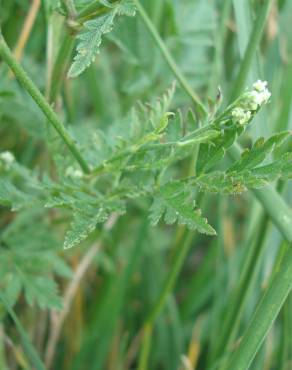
<point x="130" y="295"/>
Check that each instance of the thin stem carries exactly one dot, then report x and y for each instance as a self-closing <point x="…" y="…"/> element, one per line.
<point x="286" y="340"/>
<point x="251" y="48"/>
<point x="264" y="316"/>
<point x="162" y="298"/>
<point x="220" y="36"/>
<point x="70" y="8"/>
<point x="169" y="59"/>
<point x="29" y="349"/>
<point x="194" y="138"/>
<point x="93" y="9"/>
<point x="60" y="66"/>
<point x="146" y="346"/>
<point x="246" y="280"/>
<point x="31" y="88"/>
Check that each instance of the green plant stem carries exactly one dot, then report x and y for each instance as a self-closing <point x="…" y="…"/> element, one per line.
<point x="277" y="209"/>
<point x="194" y="138"/>
<point x="246" y="280"/>
<point x="60" y="66"/>
<point x="34" y="92"/>
<point x="168" y="286"/>
<point x="264" y="316"/>
<point x="169" y="59"/>
<point x="281" y="215"/>
<point x="220" y="36"/>
<point x="268" y="196"/>
<point x="286" y="340"/>
<point x="95" y="8"/>
<point x="70" y="8"/>
<point x="251" y="48"/>
<point x="28" y="347"/>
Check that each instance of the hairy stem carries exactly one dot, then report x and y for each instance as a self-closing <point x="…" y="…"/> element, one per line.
<point x="38" y="97"/>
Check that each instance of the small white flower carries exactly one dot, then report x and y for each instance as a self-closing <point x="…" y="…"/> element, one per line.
<point x="73" y="173"/>
<point x="241" y="116"/>
<point x="7" y="158"/>
<point x="256" y="98"/>
<point x="266" y="96"/>
<point x="260" y="85"/>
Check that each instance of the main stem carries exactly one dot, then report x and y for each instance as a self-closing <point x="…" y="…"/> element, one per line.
<point x="38" y="97"/>
<point x="169" y="59"/>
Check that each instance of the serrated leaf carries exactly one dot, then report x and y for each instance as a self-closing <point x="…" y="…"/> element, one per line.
<point x="228" y="183"/>
<point x="90" y="40"/>
<point x="174" y="203"/>
<point x="86" y="217"/>
<point x="91" y="36"/>
<point x="82" y="225"/>
<point x="43" y="291"/>
<point x="126" y="7"/>
<point x="250" y="158"/>
<point x="210" y="154"/>
<point x="28" y="263"/>
<point x="281" y="168"/>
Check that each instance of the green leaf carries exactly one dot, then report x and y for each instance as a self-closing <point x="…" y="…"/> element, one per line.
<point x="82" y="225"/>
<point x="16" y="199"/>
<point x="90" y="40"/>
<point x="250" y="158"/>
<point x="91" y="37"/>
<point x="126" y="7"/>
<point x="211" y="153"/>
<point x="280" y="168"/>
<point x="43" y="291"/>
<point x="175" y="203"/>
<point x="29" y="264"/>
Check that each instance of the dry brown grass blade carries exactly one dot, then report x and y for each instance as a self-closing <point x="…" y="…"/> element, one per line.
<point x="58" y="318"/>
<point x="26" y="29"/>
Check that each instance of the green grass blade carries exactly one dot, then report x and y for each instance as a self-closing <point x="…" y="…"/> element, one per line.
<point x="264" y="316"/>
<point x="251" y="48"/>
<point x="169" y="59"/>
<point x="28" y="347"/>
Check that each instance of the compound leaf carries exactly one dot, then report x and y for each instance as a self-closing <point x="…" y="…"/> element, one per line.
<point x="174" y="203"/>
<point x="91" y="36"/>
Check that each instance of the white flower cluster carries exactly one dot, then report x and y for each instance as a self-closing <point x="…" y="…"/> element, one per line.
<point x="241" y="115"/>
<point x="7" y="158"/>
<point x="260" y="95"/>
<point x="252" y="100"/>
<point x="73" y="173"/>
